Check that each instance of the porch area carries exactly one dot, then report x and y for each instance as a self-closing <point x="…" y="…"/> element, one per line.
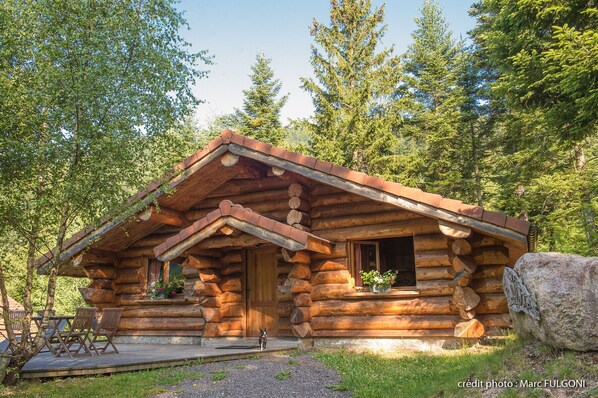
<point x="150" y="356"/>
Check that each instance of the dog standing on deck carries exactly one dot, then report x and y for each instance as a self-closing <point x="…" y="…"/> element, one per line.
<point x="263" y="340"/>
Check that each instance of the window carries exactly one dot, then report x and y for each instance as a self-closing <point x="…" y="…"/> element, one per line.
<point x="385" y="254"/>
<point x="167" y="271"/>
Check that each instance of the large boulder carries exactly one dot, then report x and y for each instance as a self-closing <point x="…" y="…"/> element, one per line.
<point x="554" y="297"/>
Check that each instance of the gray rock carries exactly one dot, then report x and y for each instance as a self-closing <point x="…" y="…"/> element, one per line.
<point x="565" y="291"/>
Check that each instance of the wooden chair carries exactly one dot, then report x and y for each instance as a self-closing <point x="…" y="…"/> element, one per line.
<point x="51" y="341"/>
<point x="107" y="328"/>
<point x="17" y="320"/>
<point x="78" y="334"/>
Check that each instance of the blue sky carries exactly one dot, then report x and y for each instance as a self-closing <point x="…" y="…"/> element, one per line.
<point x="234" y="31"/>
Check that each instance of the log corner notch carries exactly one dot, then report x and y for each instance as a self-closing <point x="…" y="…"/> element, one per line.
<point x="299" y="277"/>
<point x="454" y="231"/>
<point x="465" y="299"/>
<point x="164" y="215"/>
<point x="229" y="159"/>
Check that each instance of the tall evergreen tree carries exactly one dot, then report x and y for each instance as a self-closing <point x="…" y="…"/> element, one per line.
<point x="260" y="117"/>
<point x="434" y="64"/>
<point x="353" y="90"/>
<point x="545" y="54"/>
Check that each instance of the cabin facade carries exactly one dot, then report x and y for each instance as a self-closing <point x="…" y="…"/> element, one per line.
<point x="267" y="238"/>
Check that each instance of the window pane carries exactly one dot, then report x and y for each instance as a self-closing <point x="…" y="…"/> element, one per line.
<point x="364" y="256"/>
<point x="397" y="254"/>
<point x="368" y="257"/>
<point x="155" y="270"/>
<point x="175" y="269"/>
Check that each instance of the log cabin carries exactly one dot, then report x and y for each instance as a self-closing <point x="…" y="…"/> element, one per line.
<point x="268" y="238"/>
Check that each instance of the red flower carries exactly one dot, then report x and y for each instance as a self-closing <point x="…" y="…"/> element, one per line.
<point x="159" y="289"/>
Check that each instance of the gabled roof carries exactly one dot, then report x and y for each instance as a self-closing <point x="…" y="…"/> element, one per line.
<point x="243" y="219"/>
<point x="412" y="199"/>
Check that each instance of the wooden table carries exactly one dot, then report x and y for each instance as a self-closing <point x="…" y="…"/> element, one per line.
<point x="52" y="331"/>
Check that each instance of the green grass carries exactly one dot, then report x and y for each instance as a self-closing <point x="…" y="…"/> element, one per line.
<point x="369" y="375"/>
<point x="127" y="385"/>
<point x="365" y="375"/>
<point x="424" y="375"/>
<point x="218" y="375"/>
<point x="285" y="374"/>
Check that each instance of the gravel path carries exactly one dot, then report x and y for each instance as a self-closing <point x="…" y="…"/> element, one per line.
<point x="271" y="375"/>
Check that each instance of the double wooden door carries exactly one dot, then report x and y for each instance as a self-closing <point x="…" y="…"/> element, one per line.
<point x="261" y="293"/>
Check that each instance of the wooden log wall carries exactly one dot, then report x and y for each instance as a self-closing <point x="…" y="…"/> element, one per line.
<point x="218" y="282"/>
<point x="269" y="197"/>
<point x="300" y="289"/>
<point x="458" y="279"/>
<point x="156" y="318"/>
<point x="101" y="291"/>
<point x="284" y="305"/>
<point x="338" y="312"/>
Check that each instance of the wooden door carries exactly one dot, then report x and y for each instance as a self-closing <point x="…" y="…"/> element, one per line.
<point x="261" y="293"/>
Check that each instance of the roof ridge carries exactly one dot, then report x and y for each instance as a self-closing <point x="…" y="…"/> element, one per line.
<point x="229" y="138"/>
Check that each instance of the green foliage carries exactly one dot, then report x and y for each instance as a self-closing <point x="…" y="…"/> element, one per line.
<point x="161" y="289"/>
<point x="218" y="375"/>
<point x="283" y="375"/>
<point x="260" y="117"/>
<point x="374" y="277"/>
<point x="544" y="56"/>
<point x="354" y="90"/>
<point x="434" y="64"/>
<point x="86" y="88"/>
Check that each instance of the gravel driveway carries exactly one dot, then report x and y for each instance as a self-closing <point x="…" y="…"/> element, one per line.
<point x="271" y="375"/>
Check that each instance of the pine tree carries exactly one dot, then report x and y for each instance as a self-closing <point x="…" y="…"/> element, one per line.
<point x="354" y="88"/>
<point x="260" y="117"/>
<point x="545" y="55"/>
<point x="434" y="64"/>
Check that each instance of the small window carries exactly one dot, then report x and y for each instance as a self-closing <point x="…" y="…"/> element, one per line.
<point x="395" y="254"/>
<point x="167" y="271"/>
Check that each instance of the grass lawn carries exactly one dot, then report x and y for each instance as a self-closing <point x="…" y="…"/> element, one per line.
<point x="369" y="375"/>
<point x="126" y="385"/>
<point x="425" y="375"/>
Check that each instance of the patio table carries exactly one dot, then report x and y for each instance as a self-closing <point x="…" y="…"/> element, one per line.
<point x="57" y="323"/>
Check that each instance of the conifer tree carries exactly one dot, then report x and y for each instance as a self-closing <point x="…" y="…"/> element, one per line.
<point x="434" y="63"/>
<point x="260" y="117"/>
<point x="354" y="88"/>
<point x="545" y="55"/>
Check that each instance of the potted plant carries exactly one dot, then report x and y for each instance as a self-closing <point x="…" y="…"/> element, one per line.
<point x="157" y="289"/>
<point x="176" y="285"/>
<point x="161" y="290"/>
<point x="378" y="283"/>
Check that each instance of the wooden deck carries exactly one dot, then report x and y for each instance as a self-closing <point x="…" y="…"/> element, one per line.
<point x="148" y="356"/>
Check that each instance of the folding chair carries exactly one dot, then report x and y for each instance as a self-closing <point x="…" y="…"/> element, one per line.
<point x="78" y="334"/>
<point x="55" y="326"/>
<point x="107" y="328"/>
<point x="16" y="318"/>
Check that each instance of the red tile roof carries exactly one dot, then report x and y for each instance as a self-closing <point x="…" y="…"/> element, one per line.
<point x="228" y="138"/>
<point x="414" y="194"/>
<point x="226" y="210"/>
